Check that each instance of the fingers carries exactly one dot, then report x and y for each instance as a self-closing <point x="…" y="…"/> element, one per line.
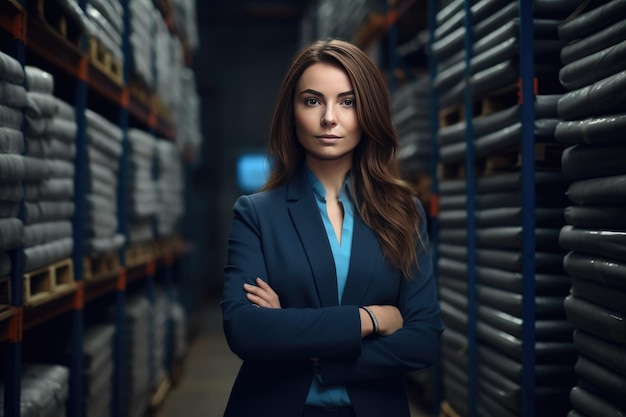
<point x="262" y="295"/>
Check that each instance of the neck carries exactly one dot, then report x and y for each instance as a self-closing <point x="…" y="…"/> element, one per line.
<point x="330" y="173"/>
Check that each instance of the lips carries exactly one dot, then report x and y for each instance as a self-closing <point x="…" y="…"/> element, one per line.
<point x="328" y="137"/>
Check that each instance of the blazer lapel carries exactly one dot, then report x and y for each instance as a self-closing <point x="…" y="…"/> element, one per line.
<point x="365" y="255"/>
<point x="310" y="227"/>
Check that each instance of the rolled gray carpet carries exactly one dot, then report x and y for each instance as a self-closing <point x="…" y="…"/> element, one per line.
<point x="11" y="69"/>
<point x="41" y="105"/>
<point x="10" y="117"/>
<point x="11" y="191"/>
<point x="12" y="95"/>
<point x="39" y="233"/>
<point x="11" y="234"/>
<point x="53" y="189"/>
<point x="38" y="80"/>
<point x="9" y="209"/>
<point x="45" y="211"/>
<point x="11" y="141"/>
<point x="600" y="129"/>
<point x="47" y="253"/>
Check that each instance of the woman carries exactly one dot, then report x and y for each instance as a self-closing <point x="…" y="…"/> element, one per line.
<point x="329" y="294"/>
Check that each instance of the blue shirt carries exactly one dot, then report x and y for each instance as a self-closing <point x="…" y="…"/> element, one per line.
<point x="334" y="396"/>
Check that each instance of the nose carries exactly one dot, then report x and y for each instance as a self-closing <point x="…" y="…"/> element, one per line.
<point x="328" y="117"/>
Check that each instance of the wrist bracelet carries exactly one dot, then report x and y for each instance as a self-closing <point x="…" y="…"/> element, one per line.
<point x="373" y="317"/>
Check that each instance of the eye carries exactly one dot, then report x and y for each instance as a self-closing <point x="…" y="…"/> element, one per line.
<point x="349" y="102"/>
<point x="311" y="101"/>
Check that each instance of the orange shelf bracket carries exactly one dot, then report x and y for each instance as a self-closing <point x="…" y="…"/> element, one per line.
<point x="125" y="98"/>
<point x="79" y="296"/>
<point x="16" y="325"/>
<point x="83" y="68"/>
<point x="520" y="99"/>
<point x="121" y="279"/>
<point x="434" y="205"/>
<point x="151" y="268"/>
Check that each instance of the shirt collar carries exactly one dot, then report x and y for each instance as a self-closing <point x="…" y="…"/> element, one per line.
<point x="320" y="191"/>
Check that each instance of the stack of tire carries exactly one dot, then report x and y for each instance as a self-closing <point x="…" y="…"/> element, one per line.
<point x="594" y="121"/>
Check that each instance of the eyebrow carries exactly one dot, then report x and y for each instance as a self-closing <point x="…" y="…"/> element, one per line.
<point x="317" y="93"/>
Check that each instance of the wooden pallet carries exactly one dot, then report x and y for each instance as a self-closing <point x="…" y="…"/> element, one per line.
<point x="172" y="245"/>
<point x="101" y="267"/>
<point x="160" y="108"/>
<point x="139" y="254"/>
<point x="140" y="91"/>
<point x="104" y="61"/>
<point x="49" y="282"/>
<point x="451" y="115"/>
<point x="500" y="99"/>
<point x="547" y="158"/>
<point x="52" y="15"/>
<point x="446" y="410"/>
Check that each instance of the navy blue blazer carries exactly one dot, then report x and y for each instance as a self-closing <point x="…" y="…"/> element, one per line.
<point x="279" y="236"/>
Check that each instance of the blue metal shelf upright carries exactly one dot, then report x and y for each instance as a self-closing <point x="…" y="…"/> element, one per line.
<point x="527" y="145"/>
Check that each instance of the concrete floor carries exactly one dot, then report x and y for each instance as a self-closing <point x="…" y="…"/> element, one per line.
<point x="209" y="372"/>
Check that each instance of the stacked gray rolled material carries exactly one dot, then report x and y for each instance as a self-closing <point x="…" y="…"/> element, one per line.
<point x="170" y="188"/>
<point x="499" y="289"/>
<point x="49" y="199"/>
<point x="143" y="14"/>
<point x="187" y="120"/>
<point x="178" y="316"/>
<point x="106" y="17"/>
<point x="44" y="391"/>
<point x="142" y="194"/>
<point x="494" y="66"/>
<point x="168" y="61"/>
<point x="104" y="148"/>
<point x="185" y="17"/>
<point x="594" y="75"/>
<point x="12" y="101"/>
<point x="159" y="328"/>
<point x="340" y="19"/>
<point x="410" y="109"/>
<point x="137" y="396"/>
<point x="98" y="369"/>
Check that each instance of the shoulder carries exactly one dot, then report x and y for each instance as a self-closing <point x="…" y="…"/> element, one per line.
<point x="260" y="200"/>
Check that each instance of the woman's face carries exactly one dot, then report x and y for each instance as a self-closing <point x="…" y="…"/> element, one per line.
<point x="325" y="114"/>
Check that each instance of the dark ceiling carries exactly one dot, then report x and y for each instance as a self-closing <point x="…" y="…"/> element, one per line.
<point x="247" y="10"/>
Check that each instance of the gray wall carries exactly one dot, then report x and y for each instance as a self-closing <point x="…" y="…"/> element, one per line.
<point x="239" y="66"/>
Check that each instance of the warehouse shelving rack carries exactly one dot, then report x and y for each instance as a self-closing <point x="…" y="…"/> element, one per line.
<point x="526" y="94"/>
<point x="23" y="38"/>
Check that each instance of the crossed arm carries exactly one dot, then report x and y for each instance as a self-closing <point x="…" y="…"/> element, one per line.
<point x="388" y="317"/>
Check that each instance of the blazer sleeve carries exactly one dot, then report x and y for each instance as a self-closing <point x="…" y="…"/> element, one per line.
<point x="413" y="347"/>
<point x="287" y="333"/>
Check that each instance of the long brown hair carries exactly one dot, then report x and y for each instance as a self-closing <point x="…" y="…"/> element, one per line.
<point x="384" y="201"/>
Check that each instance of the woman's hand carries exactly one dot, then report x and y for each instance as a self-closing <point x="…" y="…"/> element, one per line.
<point x="389" y="320"/>
<point x="261" y="294"/>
